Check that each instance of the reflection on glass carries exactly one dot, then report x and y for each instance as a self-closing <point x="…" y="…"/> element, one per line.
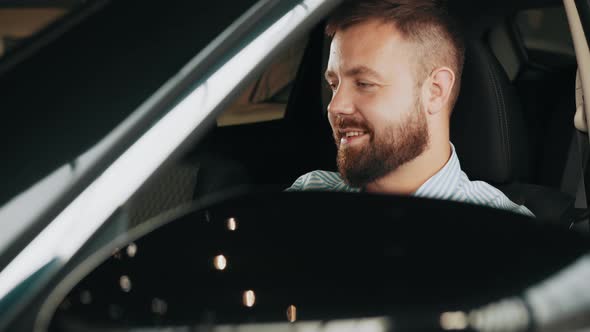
<point x="220" y="262"/>
<point x="85" y="297"/>
<point x="453" y="320"/>
<point x="291" y="313"/>
<point x="159" y="306"/>
<point x="131" y="250"/>
<point x="248" y="298"/>
<point x="125" y="283"/>
<point x="509" y="314"/>
<point x="232" y="224"/>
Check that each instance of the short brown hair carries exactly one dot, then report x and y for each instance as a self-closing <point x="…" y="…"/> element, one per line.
<point x="426" y="23"/>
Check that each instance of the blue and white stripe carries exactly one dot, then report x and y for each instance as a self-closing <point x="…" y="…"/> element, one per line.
<point x="450" y="183"/>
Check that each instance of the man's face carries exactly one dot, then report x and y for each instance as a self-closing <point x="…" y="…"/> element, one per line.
<point x="376" y="113"/>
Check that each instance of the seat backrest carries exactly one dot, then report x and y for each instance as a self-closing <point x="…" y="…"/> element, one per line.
<point x="487" y="124"/>
<point x="491" y="137"/>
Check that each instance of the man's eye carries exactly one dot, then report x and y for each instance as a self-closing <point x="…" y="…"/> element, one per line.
<point x="332" y="85"/>
<point x="361" y="84"/>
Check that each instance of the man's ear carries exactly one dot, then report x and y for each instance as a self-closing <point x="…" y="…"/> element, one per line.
<point x="439" y="86"/>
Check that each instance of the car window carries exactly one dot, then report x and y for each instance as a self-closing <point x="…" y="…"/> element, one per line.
<point x="189" y="85"/>
<point x="74" y="105"/>
<point x="62" y="101"/>
<point x="266" y="98"/>
<point x="545" y="35"/>
<point x="263" y="100"/>
<point x="20" y="22"/>
<point x="538" y="38"/>
<point x="89" y="80"/>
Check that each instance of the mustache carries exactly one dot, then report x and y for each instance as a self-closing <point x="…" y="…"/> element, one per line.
<point x="343" y="123"/>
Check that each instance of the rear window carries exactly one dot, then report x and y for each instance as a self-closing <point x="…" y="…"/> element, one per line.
<point x="19" y="23"/>
<point x="266" y="98"/>
<point x="546" y="36"/>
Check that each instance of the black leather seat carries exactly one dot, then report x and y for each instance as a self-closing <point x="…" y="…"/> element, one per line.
<point x="491" y="137"/>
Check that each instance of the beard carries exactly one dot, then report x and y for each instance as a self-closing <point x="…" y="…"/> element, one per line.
<point x="386" y="151"/>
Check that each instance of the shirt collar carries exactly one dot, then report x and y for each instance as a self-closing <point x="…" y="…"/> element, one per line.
<point x="442" y="185"/>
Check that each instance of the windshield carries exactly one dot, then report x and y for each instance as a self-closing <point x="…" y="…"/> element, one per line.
<point x="66" y="102"/>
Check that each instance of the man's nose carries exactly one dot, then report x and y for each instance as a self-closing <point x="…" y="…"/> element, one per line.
<point x="341" y="103"/>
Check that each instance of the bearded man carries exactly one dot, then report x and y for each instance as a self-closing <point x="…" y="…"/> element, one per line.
<point x="394" y="70"/>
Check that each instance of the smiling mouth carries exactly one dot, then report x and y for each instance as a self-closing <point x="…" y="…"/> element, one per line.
<point x="351" y="137"/>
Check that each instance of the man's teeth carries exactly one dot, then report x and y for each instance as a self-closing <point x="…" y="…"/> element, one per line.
<point x="354" y="133"/>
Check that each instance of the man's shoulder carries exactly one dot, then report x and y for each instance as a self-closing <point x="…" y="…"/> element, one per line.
<point x="321" y="181"/>
<point x="483" y="193"/>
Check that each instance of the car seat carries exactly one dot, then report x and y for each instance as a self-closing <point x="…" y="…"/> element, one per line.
<point x="491" y="137"/>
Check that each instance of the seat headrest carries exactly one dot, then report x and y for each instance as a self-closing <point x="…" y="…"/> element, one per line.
<point x="487" y="124"/>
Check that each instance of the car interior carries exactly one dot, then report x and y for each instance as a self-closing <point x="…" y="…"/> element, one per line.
<point x="512" y="127"/>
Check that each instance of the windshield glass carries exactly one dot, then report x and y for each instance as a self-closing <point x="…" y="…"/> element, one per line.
<point x="68" y="104"/>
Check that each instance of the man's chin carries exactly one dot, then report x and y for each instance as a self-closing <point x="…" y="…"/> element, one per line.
<point x="356" y="178"/>
<point x="352" y="172"/>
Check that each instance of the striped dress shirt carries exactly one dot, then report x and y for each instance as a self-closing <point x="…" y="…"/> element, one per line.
<point x="450" y="183"/>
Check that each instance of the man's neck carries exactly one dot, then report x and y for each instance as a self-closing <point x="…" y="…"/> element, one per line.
<point x="409" y="177"/>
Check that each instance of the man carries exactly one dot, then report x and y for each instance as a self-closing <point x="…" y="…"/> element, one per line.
<point x="394" y="70"/>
